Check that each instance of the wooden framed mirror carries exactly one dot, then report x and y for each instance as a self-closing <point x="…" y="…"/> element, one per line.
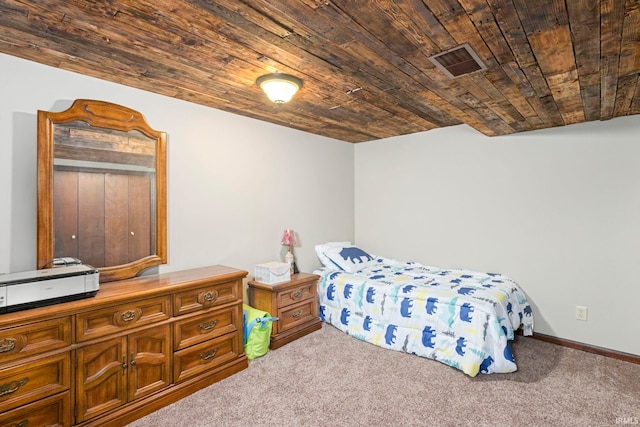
<point x="101" y="189"/>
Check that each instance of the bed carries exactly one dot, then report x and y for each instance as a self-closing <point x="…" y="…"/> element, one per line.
<point x="464" y="319"/>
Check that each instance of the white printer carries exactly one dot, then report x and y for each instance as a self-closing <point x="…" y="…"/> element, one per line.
<point x="36" y="288"/>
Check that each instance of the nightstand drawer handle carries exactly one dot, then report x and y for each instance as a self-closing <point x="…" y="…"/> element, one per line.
<point x="208" y="297"/>
<point x="22" y="423"/>
<point x="297" y="294"/>
<point x="296" y="314"/>
<point x="206" y="355"/>
<point x="7" y="344"/>
<point x="12" y="387"/>
<point x="207" y="326"/>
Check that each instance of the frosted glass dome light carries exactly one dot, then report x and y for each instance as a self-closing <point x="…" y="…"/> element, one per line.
<point x="279" y="87"/>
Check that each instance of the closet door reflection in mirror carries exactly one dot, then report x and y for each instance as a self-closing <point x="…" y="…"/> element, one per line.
<point x="103" y="196"/>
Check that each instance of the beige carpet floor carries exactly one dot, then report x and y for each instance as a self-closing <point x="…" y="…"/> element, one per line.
<point x="328" y="378"/>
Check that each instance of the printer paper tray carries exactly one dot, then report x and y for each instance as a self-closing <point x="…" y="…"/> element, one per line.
<point x="51" y="301"/>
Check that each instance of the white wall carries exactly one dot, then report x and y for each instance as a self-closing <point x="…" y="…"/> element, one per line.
<point x="558" y="210"/>
<point x="234" y="183"/>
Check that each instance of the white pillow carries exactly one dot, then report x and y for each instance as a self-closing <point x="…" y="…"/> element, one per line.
<point x="349" y="258"/>
<point x="322" y="249"/>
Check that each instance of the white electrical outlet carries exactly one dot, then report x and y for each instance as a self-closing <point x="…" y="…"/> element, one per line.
<point x="581" y="312"/>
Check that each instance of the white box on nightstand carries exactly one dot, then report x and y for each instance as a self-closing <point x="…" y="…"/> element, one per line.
<point x="271" y="273"/>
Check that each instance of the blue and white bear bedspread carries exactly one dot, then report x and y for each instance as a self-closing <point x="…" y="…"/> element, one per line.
<point x="462" y="318"/>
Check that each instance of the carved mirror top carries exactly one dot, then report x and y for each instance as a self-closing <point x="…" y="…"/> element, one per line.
<point x="101" y="189"/>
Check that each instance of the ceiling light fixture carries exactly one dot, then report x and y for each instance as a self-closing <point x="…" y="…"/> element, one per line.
<point x="279" y="87"/>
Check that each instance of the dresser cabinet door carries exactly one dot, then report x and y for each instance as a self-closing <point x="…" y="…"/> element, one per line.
<point x="115" y="372"/>
<point x="149" y="361"/>
<point x="101" y="378"/>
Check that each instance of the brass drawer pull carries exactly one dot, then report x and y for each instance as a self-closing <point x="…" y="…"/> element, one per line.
<point x="128" y="316"/>
<point x="297" y="294"/>
<point x="12" y="387"/>
<point x="210" y="354"/>
<point x="208" y="297"/>
<point x="207" y="326"/>
<point x="296" y="313"/>
<point x="7" y="344"/>
<point x="22" y="423"/>
<point x="121" y="318"/>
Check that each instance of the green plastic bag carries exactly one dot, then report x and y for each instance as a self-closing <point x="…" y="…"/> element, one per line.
<point x="257" y="331"/>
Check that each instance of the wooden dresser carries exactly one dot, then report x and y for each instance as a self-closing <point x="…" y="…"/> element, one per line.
<point x="138" y="345"/>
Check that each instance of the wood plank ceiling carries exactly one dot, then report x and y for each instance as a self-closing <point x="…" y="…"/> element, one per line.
<point x="364" y="62"/>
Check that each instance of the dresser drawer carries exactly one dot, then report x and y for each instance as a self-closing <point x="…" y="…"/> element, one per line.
<point x="110" y="320"/>
<point x="297" y="294"/>
<point x="206" y="297"/>
<point x="27" y="383"/>
<point x="34" y="338"/>
<point x="51" y="411"/>
<point x="296" y="314"/>
<point x="194" y="360"/>
<point x="194" y="330"/>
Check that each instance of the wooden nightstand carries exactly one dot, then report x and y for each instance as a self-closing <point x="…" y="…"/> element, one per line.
<point x="295" y="303"/>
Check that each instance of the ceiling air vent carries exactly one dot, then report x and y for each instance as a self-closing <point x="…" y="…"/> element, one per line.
<point x="459" y="61"/>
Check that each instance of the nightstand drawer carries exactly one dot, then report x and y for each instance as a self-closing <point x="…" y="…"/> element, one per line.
<point x="110" y="320"/>
<point x="194" y="330"/>
<point x="202" y="357"/>
<point x="296" y="314"/>
<point x="297" y="294"/>
<point x="206" y="297"/>
<point x="27" y="383"/>
<point x="34" y="338"/>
